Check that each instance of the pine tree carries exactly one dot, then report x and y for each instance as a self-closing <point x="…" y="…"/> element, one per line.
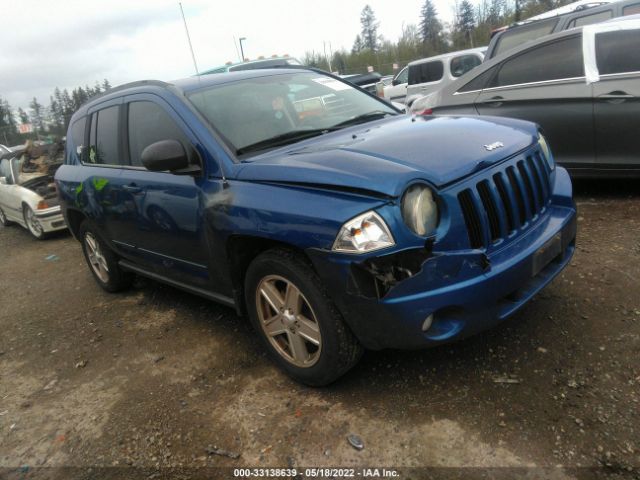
<point x="430" y="28"/>
<point x="357" y="45"/>
<point x="24" y="118"/>
<point x="369" y="24"/>
<point x="106" y="85"/>
<point x="465" y="25"/>
<point x="36" y="114"/>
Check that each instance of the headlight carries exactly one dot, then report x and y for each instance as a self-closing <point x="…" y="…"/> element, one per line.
<point x="419" y="210"/>
<point x="546" y="151"/>
<point x="362" y="234"/>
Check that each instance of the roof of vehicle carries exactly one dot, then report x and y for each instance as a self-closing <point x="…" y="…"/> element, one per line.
<point x="248" y="62"/>
<point x="448" y="55"/>
<point x="479" y="70"/>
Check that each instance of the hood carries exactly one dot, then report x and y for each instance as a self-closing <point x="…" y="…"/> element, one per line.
<point x="385" y="155"/>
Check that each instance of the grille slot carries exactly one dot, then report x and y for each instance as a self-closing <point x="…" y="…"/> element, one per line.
<point x="510" y="199"/>
<point x="471" y="219"/>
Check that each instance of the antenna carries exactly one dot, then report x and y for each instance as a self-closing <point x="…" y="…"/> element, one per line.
<point x="189" y="39"/>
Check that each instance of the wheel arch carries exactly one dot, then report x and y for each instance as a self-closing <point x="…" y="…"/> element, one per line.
<point x="241" y="251"/>
<point x="74" y="220"/>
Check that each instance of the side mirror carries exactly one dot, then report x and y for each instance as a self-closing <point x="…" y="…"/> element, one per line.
<point x="165" y="155"/>
<point x="395" y="82"/>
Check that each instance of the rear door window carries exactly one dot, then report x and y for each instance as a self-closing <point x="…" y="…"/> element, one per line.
<point x="552" y="61"/>
<point x="426" y="72"/>
<point x="591" y="19"/>
<point x="149" y="123"/>
<point x="462" y="64"/>
<point x="104" y="138"/>
<point x="618" y="51"/>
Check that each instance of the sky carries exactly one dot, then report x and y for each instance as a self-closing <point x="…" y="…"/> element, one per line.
<point x="68" y="43"/>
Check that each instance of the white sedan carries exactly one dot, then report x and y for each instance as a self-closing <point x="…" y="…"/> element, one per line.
<point x="29" y="199"/>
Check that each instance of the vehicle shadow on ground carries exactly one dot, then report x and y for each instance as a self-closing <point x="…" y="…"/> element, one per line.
<point x="607" y="187"/>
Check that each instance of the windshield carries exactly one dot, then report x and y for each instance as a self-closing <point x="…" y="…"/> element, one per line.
<point x="249" y="113"/>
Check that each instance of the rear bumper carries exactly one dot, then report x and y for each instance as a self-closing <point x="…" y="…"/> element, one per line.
<point x="466" y="291"/>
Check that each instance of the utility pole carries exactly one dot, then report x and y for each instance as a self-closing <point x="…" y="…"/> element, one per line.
<point x="241" y="49"/>
<point x="328" y="59"/>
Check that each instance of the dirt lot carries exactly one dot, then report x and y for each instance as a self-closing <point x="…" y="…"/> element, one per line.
<point x="158" y="378"/>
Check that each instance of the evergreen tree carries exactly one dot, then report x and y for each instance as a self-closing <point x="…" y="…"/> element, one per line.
<point x="465" y="25"/>
<point x="36" y="114"/>
<point x="357" y="45"/>
<point x="106" y="85"/>
<point x="369" y="24"/>
<point x="24" y="118"/>
<point x="430" y="28"/>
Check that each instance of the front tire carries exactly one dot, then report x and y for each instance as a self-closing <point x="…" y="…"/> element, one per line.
<point x="299" y="324"/>
<point x="102" y="262"/>
<point x="4" y="221"/>
<point x="32" y="223"/>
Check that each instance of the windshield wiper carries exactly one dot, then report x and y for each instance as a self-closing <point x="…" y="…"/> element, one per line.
<point x="283" y="139"/>
<point x="365" y="117"/>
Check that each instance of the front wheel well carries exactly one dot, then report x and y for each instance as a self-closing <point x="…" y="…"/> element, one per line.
<point x="74" y="220"/>
<point x="241" y="251"/>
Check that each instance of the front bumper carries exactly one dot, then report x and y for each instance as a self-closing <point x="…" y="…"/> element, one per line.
<point x="51" y="219"/>
<point x="466" y="291"/>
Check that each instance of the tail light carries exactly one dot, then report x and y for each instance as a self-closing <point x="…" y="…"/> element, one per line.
<point x="426" y="111"/>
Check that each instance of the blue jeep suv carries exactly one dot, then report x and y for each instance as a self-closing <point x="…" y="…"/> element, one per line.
<point x="330" y="219"/>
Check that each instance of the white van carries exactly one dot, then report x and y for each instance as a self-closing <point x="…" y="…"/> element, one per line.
<point x="427" y="75"/>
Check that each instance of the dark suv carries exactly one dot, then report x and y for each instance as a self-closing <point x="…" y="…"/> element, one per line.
<point x="331" y="219"/>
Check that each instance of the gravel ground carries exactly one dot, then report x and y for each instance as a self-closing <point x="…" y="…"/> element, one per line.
<point x="156" y="378"/>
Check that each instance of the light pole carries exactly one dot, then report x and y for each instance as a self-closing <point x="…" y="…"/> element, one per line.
<point x="241" y="49"/>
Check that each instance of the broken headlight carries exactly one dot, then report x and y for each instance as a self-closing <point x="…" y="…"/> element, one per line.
<point x="365" y="233"/>
<point x="546" y="151"/>
<point x="419" y="210"/>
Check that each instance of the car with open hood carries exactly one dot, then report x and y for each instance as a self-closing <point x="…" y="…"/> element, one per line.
<point x="27" y="192"/>
<point x="330" y="219"/>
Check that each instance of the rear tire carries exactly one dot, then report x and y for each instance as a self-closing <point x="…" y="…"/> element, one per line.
<point x="102" y="262"/>
<point x="296" y="319"/>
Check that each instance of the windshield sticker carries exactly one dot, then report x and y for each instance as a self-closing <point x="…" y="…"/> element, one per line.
<point x="331" y="83"/>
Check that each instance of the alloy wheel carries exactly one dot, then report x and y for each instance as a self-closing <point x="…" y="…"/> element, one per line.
<point x="96" y="259"/>
<point x="32" y="222"/>
<point x="288" y="321"/>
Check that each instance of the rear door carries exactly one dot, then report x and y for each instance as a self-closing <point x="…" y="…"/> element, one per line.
<point x="545" y="84"/>
<point x="617" y="98"/>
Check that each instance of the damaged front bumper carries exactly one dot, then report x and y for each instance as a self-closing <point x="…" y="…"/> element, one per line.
<point x="387" y="299"/>
<point x="51" y="219"/>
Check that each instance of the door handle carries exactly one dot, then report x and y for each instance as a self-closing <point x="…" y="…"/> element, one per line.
<point x="617" y="96"/>
<point x="493" y="101"/>
<point x="132" y="188"/>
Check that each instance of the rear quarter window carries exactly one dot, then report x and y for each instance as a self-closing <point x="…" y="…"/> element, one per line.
<point x="464" y="63"/>
<point x="631" y="9"/>
<point x="75" y="147"/>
